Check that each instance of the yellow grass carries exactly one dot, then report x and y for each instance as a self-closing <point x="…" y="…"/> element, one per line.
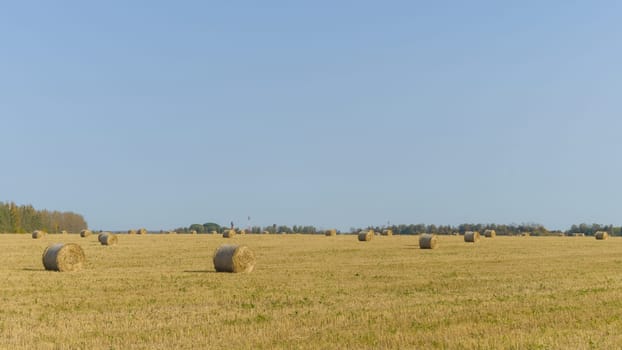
<point x="161" y="292"/>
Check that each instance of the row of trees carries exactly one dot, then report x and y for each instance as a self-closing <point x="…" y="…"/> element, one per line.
<point x="24" y="218"/>
<point x="412" y="229"/>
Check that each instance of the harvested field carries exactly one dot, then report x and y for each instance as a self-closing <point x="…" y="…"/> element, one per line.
<point x="162" y="292"/>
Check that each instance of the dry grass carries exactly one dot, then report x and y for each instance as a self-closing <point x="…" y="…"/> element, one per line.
<point x="162" y="292"/>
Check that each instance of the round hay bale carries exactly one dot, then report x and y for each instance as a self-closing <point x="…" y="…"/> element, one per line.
<point x="471" y="236"/>
<point x="365" y="236"/>
<point x="331" y="232"/>
<point x="131" y="232"/>
<point x="234" y="258"/>
<point x="214" y="232"/>
<point x="242" y="232"/>
<point x="490" y="233"/>
<point x="63" y="257"/>
<point x="63" y="232"/>
<point x="107" y="238"/>
<point x="36" y="234"/>
<point x="193" y="232"/>
<point x="387" y="232"/>
<point x="141" y="231"/>
<point x="85" y="233"/>
<point x="600" y="235"/>
<point x="427" y="241"/>
<point x="228" y="234"/>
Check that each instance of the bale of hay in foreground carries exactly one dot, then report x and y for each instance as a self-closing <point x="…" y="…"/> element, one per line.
<point x="601" y="235"/>
<point x="366" y="235"/>
<point x="228" y="234"/>
<point x="234" y="258"/>
<point x="36" y="234"/>
<point x="387" y="232"/>
<point x="141" y="231"/>
<point x="427" y="241"/>
<point x="63" y="257"/>
<point x="490" y="233"/>
<point x="85" y="233"/>
<point x="107" y="238"/>
<point x="471" y="236"/>
<point x="332" y="232"/>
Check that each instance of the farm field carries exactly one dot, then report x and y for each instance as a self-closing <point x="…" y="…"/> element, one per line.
<point x="315" y="292"/>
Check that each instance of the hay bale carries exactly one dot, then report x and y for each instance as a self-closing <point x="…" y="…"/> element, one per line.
<point x="193" y="232"/>
<point x="85" y="233"/>
<point x="107" y="238"/>
<point x="234" y="258"/>
<point x="63" y="232"/>
<point x="366" y="235"/>
<point x="228" y="234"/>
<point x="525" y="234"/>
<point x="387" y="232"/>
<point x="330" y="233"/>
<point x="490" y="233"/>
<point x="36" y="234"/>
<point x="242" y="232"/>
<point x="214" y="232"/>
<point x="171" y="233"/>
<point x="63" y="257"/>
<point x="471" y="236"/>
<point x="600" y="235"/>
<point x="131" y="232"/>
<point x="427" y="241"/>
<point x="141" y="231"/>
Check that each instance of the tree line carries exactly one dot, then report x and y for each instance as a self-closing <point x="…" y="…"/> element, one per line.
<point x="533" y="229"/>
<point x="25" y="218"/>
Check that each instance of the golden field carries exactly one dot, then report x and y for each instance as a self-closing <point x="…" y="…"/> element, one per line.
<point x="315" y="292"/>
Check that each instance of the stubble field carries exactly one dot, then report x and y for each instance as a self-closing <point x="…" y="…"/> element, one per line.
<point x="315" y="292"/>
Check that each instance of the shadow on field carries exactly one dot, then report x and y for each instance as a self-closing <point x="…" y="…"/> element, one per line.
<point x="199" y="271"/>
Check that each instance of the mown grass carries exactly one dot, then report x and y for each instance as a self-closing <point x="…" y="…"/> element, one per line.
<point x="315" y="292"/>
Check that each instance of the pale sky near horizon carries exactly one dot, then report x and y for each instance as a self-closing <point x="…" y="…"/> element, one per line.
<point x="161" y="114"/>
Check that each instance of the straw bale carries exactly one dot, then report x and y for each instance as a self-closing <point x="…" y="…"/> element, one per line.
<point x="366" y="235"/>
<point x="63" y="257"/>
<point x="471" y="236"/>
<point x="427" y="241"/>
<point x="234" y="258"/>
<point x="38" y="234"/>
<point x="600" y="235"/>
<point x="85" y="233"/>
<point x="107" y="238"/>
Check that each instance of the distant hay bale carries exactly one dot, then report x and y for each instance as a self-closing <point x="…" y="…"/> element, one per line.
<point x="131" y="232"/>
<point x="330" y="233"/>
<point x="471" y="236"/>
<point x="63" y="257"/>
<point x="36" y="234"/>
<point x="266" y="232"/>
<point x="193" y="232"/>
<point x="600" y="235"/>
<point x="427" y="241"/>
<point x="234" y="258"/>
<point x="366" y="235"/>
<point x="387" y="232"/>
<point x="214" y="232"/>
<point x="171" y="232"/>
<point x="242" y="232"/>
<point x="63" y="232"/>
<point x="490" y="233"/>
<point x="85" y="233"/>
<point x="141" y="231"/>
<point x="525" y="234"/>
<point x="228" y="234"/>
<point x="107" y="238"/>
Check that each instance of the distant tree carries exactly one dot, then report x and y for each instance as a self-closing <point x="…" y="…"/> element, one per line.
<point x="197" y="227"/>
<point x="210" y="226"/>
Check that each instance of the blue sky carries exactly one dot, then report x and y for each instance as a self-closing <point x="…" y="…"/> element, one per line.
<point x="334" y="114"/>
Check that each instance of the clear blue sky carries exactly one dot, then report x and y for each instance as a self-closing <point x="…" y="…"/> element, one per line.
<point x="327" y="113"/>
